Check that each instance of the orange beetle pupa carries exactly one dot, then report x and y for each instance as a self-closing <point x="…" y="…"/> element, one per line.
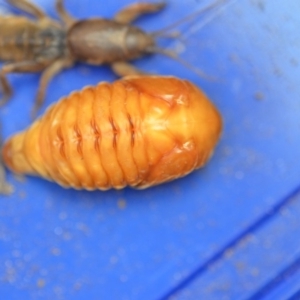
<point x="137" y="131"/>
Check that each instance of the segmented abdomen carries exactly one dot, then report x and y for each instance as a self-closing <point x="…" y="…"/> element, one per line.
<point x="138" y="131"/>
<point x="22" y="39"/>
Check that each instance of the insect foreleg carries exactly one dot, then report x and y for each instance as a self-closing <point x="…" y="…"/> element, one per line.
<point x="123" y="68"/>
<point x="131" y="12"/>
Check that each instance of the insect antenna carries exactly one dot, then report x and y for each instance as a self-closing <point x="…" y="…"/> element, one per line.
<point x="216" y="7"/>
<point x="162" y="32"/>
<point x="183" y="62"/>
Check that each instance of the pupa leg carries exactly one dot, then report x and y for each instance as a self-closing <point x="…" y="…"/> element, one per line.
<point x="122" y="68"/>
<point x="135" y="10"/>
<point x="18" y="67"/>
<point x="50" y="72"/>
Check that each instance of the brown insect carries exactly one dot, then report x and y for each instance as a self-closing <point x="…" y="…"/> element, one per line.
<point x="50" y="46"/>
<point x="138" y="131"/>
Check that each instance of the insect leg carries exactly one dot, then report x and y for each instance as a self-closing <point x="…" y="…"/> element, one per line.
<point x="28" y="7"/>
<point x="24" y="66"/>
<point x="122" y="68"/>
<point x="135" y="10"/>
<point x="63" y="14"/>
<point x="6" y="89"/>
<point x="5" y="187"/>
<point x="50" y="72"/>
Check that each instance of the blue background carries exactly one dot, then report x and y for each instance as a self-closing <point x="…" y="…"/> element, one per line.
<point x="228" y="231"/>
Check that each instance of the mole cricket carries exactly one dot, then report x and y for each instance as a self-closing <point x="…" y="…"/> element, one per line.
<point x="46" y="45"/>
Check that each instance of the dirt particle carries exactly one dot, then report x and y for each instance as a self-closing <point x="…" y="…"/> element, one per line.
<point x="55" y="251"/>
<point x="259" y="96"/>
<point x="121" y="203"/>
<point x="40" y="283"/>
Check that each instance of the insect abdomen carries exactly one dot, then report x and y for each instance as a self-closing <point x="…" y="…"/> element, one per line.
<point x="14" y="31"/>
<point x="138" y="131"/>
<point x="22" y="39"/>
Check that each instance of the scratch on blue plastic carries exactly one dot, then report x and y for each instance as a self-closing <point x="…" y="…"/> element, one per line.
<point x="279" y="280"/>
<point x="239" y="275"/>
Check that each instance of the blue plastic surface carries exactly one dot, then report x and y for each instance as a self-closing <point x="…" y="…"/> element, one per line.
<point x="227" y="231"/>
